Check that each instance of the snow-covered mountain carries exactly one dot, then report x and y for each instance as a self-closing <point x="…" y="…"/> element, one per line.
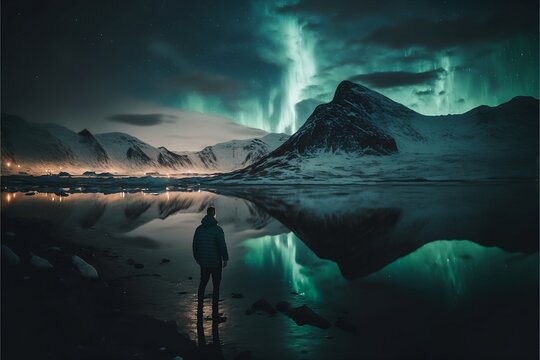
<point x="236" y="154"/>
<point x="39" y="148"/>
<point x="362" y="136"/>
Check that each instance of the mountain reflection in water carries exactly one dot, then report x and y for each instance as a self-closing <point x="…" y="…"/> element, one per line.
<point x="370" y="227"/>
<point x="362" y="230"/>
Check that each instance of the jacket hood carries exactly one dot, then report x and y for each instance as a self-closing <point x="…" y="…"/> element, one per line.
<point x="208" y="220"/>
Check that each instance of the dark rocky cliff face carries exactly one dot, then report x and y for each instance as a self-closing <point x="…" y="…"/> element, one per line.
<point x="169" y="159"/>
<point x="135" y="154"/>
<point x="87" y="138"/>
<point x="347" y="124"/>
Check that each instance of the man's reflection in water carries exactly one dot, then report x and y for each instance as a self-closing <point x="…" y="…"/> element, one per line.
<point x="213" y="350"/>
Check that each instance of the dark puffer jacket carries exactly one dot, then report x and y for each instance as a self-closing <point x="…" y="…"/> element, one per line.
<point x="209" y="247"/>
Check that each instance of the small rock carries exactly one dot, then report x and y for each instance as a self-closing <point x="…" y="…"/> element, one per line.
<point x="182" y="292"/>
<point x="164" y="261"/>
<point x="248" y="312"/>
<point x="263" y="305"/>
<point x="190" y="277"/>
<point x="138" y="266"/>
<point x="303" y="315"/>
<point x="61" y="192"/>
<point x="237" y="296"/>
<point x="304" y="351"/>
<point x="130" y="262"/>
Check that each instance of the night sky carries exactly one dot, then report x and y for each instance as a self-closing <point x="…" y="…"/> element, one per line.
<point x="183" y="74"/>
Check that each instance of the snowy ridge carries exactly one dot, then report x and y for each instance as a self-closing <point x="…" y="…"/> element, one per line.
<point x="48" y="148"/>
<point x="237" y="154"/>
<point x="362" y="136"/>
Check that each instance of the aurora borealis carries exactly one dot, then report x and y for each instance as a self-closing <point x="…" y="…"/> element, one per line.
<point x="262" y="64"/>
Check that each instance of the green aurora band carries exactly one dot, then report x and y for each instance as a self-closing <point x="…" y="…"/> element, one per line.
<point x="311" y="72"/>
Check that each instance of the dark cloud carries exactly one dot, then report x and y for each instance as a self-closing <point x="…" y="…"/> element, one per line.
<point x="208" y="84"/>
<point x="426" y="92"/>
<point x="143" y="119"/>
<point x="442" y="92"/>
<point x="437" y="35"/>
<point x="390" y="79"/>
<point x="460" y="100"/>
<point x="343" y="9"/>
<point x="74" y="55"/>
<point x="346" y="61"/>
<point x="415" y="57"/>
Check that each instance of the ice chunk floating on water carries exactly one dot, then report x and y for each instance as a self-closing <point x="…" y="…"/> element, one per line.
<point x="9" y="257"/>
<point x="39" y="262"/>
<point x="85" y="269"/>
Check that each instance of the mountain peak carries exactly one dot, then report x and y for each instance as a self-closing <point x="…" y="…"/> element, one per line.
<point x="85" y="133"/>
<point x="347" y="87"/>
<point x="348" y="124"/>
<point x="368" y="101"/>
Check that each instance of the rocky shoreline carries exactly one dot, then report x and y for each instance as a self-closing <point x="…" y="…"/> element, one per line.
<point x="51" y="309"/>
<point x="56" y="308"/>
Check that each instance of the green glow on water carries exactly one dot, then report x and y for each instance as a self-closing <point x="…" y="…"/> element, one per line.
<point x="445" y="271"/>
<point x="456" y="270"/>
<point x="288" y="255"/>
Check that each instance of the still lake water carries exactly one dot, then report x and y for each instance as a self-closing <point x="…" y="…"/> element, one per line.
<point x="422" y="271"/>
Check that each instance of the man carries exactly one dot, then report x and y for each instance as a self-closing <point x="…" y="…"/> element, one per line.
<point x="210" y="252"/>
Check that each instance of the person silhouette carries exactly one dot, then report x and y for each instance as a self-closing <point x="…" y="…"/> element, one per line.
<point x="210" y="252"/>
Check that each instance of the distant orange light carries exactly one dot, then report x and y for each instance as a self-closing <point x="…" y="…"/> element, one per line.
<point x="8" y="164"/>
<point x="18" y="165"/>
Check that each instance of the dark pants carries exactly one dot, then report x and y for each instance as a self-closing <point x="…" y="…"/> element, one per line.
<point x="216" y="280"/>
